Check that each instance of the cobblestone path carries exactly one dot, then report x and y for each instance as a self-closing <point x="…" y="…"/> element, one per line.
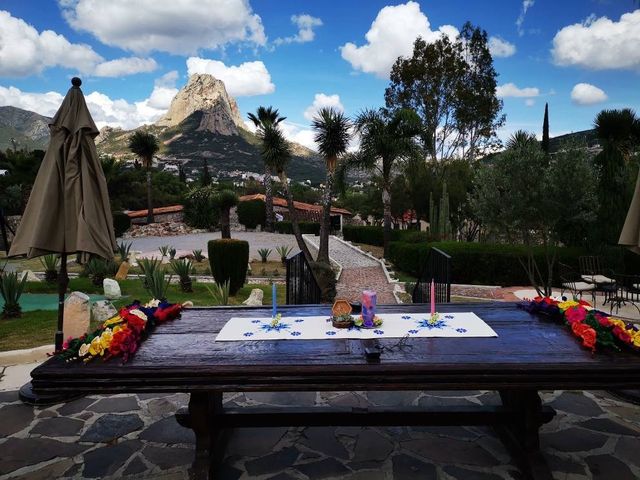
<point x="593" y="436"/>
<point x="359" y="272"/>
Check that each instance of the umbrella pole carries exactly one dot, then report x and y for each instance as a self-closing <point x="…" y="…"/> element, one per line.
<point x="63" y="283"/>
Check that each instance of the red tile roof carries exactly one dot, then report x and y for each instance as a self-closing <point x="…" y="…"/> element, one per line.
<point x="156" y="211"/>
<point x="281" y="202"/>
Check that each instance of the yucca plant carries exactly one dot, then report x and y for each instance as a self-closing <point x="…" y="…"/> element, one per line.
<point x="220" y="293"/>
<point x="197" y="255"/>
<point x="172" y="253"/>
<point x="164" y="250"/>
<point x="11" y="288"/>
<point x="157" y="284"/>
<point x="148" y="267"/>
<point x="264" y="254"/>
<point x="97" y="269"/>
<point x="50" y="264"/>
<point x="284" y="252"/>
<point x="124" y="250"/>
<point x="183" y="268"/>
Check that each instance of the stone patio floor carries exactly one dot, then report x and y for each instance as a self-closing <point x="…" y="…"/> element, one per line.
<point x="593" y="436"/>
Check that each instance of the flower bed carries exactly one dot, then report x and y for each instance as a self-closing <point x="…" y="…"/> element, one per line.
<point x="593" y="327"/>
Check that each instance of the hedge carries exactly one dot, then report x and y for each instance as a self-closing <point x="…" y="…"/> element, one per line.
<point x="251" y="213"/>
<point x="372" y="235"/>
<point x="305" y="227"/>
<point x="479" y="263"/>
<point x="121" y="223"/>
<point x="228" y="259"/>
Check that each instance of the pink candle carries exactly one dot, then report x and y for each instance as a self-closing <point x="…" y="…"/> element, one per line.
<point x="433" y="298"/>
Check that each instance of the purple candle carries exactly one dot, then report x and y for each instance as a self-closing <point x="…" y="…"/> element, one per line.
<point x="369" y="300"/>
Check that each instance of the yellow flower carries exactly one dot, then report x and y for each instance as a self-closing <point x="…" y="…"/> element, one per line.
<point x="636" y="339"/>
<point x="112" y="320"/>
<point x="84" y="349"/>
<point x="566" y="305"/>
<point x="105" y="338"/>
<point x="117" y="328"/>
<point x="96" y="347"/>
<point x="618" y="323"/>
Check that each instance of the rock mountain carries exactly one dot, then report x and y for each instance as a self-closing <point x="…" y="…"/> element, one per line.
<point x="27" y="129"/>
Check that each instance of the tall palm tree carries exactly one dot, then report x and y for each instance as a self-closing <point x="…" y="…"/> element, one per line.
<point x="385" y="138"/>
<point x="618" y="130"/>
<point x="145" y="145"/>
<point x="332" y="135"/>
<point x="276" y="153"/>
<point x="264" y="117"/>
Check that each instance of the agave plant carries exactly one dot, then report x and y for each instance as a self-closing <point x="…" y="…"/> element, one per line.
<point x="97" y="269"/>
<point x="148" y="267"/>
<point x="11" y="288"/>
<point x="164" y="250"/>
<point x="124" y="250"/>
<point x="183" y="268"/>
<point x="284" y="252"/>
<point x="172" y="253"/>
<point x="50" y="264"/>
<point x="157" y="284"/>
<point x="264" y="254"/>
<point x="198" y="256"/>
<point x="220" y="293"/>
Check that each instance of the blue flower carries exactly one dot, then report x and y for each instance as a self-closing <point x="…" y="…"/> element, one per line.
<point x="296" y="334"/>
<point x="267" y="327"/>
<point x="461" y="330"/>
<point x="413" y="331"/>
<point x="379" y="332"/>
<point x="255" y="321"/>
<point x="406" y="317"/>
<point x="330" y="332"/>
<point x="425" y="323"/>
<point x="299" y="320"/>
<point x="248" y="334"/>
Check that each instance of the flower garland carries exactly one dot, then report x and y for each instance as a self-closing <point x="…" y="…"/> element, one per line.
<point x="593" y="327"/>
<point x="120" y="335"/>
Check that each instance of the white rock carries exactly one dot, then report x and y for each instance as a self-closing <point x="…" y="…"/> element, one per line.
<point x="111" y="288"/>
<point x="76" y="315"/>
<point x="255" y="299"/>
<point x="103" y="310"/>
<point x="31" y="277"/>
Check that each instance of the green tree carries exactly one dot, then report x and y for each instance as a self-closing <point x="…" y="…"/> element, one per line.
<point x="182" y="174"/>
<point x="332" y="135"/>
<point x="452" y="87"/>
<point x="264" y="118"/>
<point x="145" y="145"/>
<point x="205" y="178"/>
<point x="385" y="139"/>
<point x="224" y="200"/>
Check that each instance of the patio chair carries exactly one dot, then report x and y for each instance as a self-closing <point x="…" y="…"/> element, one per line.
<point x="627" y="291"/>
<point x="592" y="270"/>
<point x="438" y="269"/>
<point x="570" y="280"/>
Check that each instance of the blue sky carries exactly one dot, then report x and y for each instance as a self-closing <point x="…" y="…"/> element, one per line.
<point x="579" y="55"/>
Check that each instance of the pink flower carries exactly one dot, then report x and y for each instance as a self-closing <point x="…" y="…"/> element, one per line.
<point x="575" y="314"/>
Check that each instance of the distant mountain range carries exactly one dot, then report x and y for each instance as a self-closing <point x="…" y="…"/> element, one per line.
<point x="27" y="129"/>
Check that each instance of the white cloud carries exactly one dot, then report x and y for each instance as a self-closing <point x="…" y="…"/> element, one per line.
<point x="176" y="26"/>
<point x="529" y="102"/>
<point x="526" y="5"/>
<point x="298" y="134"/>
<point x="46" y="104"/>
<point x="600" y="44"/>
<point x="125" y="66"/>
<point x="306" y="24"/>
<point x="587" y="94"/>
<point x="246" y="79"/>
<point x="163" y="91"/>
<point x="321" y="100"/>
<point x="24" y="51"/>
<point x="512" y="90"/>
<point x="392" y="35"/>
<point x="499" y="47"/>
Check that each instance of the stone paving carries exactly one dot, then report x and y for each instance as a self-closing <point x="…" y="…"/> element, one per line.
<point x="593" y="436"/>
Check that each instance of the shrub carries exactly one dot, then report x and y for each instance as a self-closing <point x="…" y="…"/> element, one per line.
<point x="229" y="259"/>
<point x="50" y="264"/>
<point x="372" y="235"/>
<point x="283" y="251"/>
<point x="251" y="213"/>
<point x="157" y="284"/>
<point x="121" y="223"/>
<point x="264" y="254"/>
<point x="220" y="293"/>
<point x="199" y="208"/>
<point x="124" y="250"/>
<point x="99" y="268"/>
<point x="312" y="228"/>
<point x="183" y="269"/>
<point x="11" y="289"/>
<point x="197" y="255"/>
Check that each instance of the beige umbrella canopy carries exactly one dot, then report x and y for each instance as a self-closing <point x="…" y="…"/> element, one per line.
<point x="630" y="235"/>
<point x="68" y="211"/>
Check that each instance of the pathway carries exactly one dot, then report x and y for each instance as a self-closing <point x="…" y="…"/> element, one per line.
<point x="359" y="271"/>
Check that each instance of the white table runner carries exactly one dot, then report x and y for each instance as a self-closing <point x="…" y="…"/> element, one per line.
<point x="395" y="325"/>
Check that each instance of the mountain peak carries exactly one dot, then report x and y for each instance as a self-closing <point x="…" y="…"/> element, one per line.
<point x="207" y="94"/>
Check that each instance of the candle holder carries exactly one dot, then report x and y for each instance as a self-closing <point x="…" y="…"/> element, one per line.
<point x="433" y="318"/>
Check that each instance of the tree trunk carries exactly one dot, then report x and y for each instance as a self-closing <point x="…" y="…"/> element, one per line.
<point x="386" y="205"/>
<point x="225" y="228"/>
<point x="294" y="220"/>
<point x="149" y="201"/>
<point x="268" y="199"/>
<point x="325" y="226"/>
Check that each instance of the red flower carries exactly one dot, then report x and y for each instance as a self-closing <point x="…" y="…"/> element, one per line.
<point x="135" y="322"/>
<point x="586" y="333"/>
<point x="622" y="334"/>
<point x="124" y="342"/>
<point x="167" y="313"/>
<point x="602" y="320"/>
<point x="575" y="314"/>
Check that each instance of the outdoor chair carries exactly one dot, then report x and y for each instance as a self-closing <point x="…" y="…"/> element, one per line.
<point x="438" y="269"/>
<point x="592" y="270"/>
<point x="570" y="280"/>
<point x="626" y="291"/>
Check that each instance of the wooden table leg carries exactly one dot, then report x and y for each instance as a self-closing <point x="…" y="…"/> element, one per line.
<point x="521" y="434"/>
<point x="203" y="407"/>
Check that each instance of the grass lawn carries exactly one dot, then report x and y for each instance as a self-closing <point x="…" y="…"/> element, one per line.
<point x="267" y="269"/>
<point x="38" y="327"/>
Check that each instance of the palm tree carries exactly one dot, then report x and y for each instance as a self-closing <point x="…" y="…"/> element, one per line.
<point x="521" y="139"/>
<point x="332" y="135"/>
<point x="145" y="145"/>
<point x="224" y="201"/>
<point x="384" y="139"/>
<point x="266" y="116"/>
<point x="276" y="153"/>
<point x="618" y="130"/>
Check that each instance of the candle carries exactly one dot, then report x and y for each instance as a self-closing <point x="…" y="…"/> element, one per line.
<point x="273" y="300"/>
<point x="369" y="300"/>
<point x="433" y="298"/>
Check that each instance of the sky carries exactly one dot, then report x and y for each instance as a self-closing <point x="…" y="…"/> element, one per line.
<point x="580" y="56"/>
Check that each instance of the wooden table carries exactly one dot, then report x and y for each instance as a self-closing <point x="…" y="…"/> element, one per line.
<point x="529" y="354"/>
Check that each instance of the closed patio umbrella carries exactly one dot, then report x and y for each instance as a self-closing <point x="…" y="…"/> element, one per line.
<point x="68" y="211"/>
<point x="630" y="235"/>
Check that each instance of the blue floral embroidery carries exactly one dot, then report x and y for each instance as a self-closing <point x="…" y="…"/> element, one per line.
<point x="330" y="332"/>
<point x="425" y="323"/>
<point x="448" y="316"/>
<point x="379" y="332"/>
<point x="406" y="317"/>
<point x="299" y="320"/>
<point x="248" y="334"/>
<point x="267" y="327"/>
<point x="461" y="330"/>
<point x="255" y="321"/>
<point x="413" y="331"/>
<point x="296" y="334"/>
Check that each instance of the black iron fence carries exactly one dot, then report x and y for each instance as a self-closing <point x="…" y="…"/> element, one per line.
<point x="302" y="287"/>
<point x="438" y="269"/>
